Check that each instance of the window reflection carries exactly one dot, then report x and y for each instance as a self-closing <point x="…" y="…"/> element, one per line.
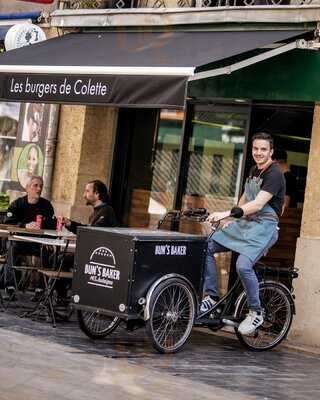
<point x="215" y="159"/>
<point x="165" y="164"/>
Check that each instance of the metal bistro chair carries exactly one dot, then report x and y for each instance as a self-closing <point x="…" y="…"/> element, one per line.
<point x="50" y="277"/>
<point x="10" y="267"/>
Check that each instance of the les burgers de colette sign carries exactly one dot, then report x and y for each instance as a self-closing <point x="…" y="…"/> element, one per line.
<point x="61" y="87"/>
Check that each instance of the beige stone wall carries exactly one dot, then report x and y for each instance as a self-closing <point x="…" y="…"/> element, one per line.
<point x="84" y="152"/>
<point x="96" y="153"/>
<point x="310" y="225"/>
<point x="306" y="326"/>
<point x="67" y="159"/>
<point x="50" y="32"/>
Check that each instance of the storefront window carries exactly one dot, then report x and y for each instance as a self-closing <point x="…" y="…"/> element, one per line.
<point x="165" y="163"/>
<point x="215" y="158"/>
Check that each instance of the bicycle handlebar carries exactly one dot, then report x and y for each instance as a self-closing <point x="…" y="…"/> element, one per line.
<point x="198" y="214"/>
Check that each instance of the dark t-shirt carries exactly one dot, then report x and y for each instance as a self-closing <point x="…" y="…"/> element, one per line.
<point x="20" y="212"/>
<point x="274" y="183"/>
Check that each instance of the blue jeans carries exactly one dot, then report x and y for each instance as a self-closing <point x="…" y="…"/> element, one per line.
<point x="244" y="268"/>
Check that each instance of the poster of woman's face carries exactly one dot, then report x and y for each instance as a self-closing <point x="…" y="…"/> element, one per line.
<point x="30" y="163"/>
<point x="32" y="125"/>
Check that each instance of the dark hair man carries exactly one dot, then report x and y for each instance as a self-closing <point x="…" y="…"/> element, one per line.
<point x="96" y="195"/>
<point x="252" y="234"/>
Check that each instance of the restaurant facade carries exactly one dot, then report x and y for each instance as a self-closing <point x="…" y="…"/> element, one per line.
<point x="164" y="113"/>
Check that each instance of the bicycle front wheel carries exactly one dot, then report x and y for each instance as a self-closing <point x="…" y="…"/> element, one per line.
<point x="96" y="325"/>
<point x="172" y="312"/>
<point x="277" y="305"/>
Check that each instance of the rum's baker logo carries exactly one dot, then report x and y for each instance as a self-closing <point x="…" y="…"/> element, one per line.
<point x="101" y="269"/>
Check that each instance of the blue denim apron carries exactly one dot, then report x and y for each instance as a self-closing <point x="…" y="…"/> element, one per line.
<point x="250" y="235"/>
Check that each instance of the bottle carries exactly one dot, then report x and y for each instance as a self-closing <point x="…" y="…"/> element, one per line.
<point x="59" y="225"/>
<point x="39" y="219"/>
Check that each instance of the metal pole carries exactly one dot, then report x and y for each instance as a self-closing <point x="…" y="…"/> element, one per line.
<point x="50" y="149"/>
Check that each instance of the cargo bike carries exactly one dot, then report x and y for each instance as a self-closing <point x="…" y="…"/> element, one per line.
<point x="154" y="279"/>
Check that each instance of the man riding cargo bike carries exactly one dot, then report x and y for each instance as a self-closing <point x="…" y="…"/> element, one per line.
<point x="252" y="234"/>
<point x="168" y="280"/>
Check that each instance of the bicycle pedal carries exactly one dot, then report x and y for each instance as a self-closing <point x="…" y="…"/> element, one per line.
<point x="214" y="323"/>
<point x="231" y="322"/>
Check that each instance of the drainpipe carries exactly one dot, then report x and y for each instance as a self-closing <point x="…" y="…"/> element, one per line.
<point x="50" y="149"/>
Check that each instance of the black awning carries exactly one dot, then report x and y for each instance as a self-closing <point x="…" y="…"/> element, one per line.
<point x="141" y="69"/>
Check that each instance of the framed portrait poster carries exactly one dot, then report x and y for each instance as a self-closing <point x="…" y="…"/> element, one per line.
<point x="28" y="159"/>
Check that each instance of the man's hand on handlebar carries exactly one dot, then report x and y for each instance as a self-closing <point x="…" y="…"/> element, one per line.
<point x="218" y="216"/>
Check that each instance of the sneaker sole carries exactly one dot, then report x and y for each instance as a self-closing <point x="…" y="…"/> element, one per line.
<point x="246" y="333"/>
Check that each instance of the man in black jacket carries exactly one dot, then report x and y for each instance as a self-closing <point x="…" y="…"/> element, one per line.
<point x="24" y="212"/>
<point x="96" y="195"/>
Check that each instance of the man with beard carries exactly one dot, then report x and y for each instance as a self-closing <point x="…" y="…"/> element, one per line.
<point x="96" y="195"/>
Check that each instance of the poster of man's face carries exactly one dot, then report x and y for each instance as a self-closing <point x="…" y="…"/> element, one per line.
<point x="32" y="126"/>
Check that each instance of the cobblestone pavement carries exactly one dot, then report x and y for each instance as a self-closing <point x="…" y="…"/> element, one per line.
<point x="40" y="362"/>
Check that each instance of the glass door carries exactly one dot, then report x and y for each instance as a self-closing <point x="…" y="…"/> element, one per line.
<point x="145" y="165"/>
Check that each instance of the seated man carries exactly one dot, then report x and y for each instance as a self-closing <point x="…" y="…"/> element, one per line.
<point x="24" y="212"/>
<point x="96" y="195"/>
<point x="250" y="236"/>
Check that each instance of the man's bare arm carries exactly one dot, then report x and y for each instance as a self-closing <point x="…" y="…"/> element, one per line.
<point x="248" y="208"/>
<point x="257" y="204"/>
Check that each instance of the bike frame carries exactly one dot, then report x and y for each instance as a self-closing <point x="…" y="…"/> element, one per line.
<point x="227" y="300"/>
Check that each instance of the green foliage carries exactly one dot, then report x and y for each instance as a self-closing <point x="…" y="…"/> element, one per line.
<point x="4" y="202"/>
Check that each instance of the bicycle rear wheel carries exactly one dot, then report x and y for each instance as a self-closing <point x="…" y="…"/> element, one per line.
<point x="277" y="305"/>
<point x="96" y="325"/>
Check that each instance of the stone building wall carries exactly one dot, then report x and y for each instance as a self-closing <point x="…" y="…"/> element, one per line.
<point x="306" y="326"/>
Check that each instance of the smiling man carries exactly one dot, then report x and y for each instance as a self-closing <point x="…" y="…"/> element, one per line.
<point x="253" y="232"/>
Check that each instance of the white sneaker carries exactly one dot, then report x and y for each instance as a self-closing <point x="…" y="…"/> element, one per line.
<point x="206" y="304"/>
<point x="252" y="321"/>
